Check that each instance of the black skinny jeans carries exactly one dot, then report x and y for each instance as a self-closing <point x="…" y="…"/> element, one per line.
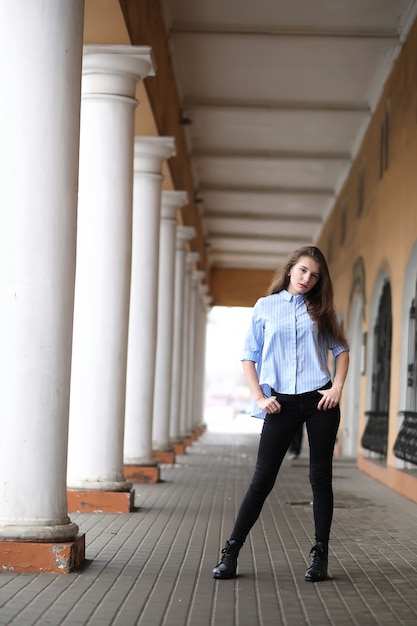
<point x="277" y="433"/>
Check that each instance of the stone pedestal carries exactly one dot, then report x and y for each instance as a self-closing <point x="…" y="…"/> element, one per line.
<point x="57" y="557"/>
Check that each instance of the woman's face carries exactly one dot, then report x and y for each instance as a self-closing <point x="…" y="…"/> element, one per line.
<point x="304" y="275"/>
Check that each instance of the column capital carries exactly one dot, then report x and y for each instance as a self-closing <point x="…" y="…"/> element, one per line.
<point x="184" y="234"/>
<point x="172" y="201"/>
<point x="207" y="300"/>
<point x="191" y="258"/>
<point x="151" y="152"/>
<point x="196" y="276"/>
<point x="113" y="71"/>
<point x="203" y="289"/>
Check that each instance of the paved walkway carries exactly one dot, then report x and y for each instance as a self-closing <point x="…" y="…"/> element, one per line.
<point x="153" y="567"/>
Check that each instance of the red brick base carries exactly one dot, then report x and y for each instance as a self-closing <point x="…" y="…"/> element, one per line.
<point x="203" y="429"/>
<point x="142" y="473"/>
<point x="40" y="556"/>
<point x="165" y="456"/>
<point x="188" y="440"/>
<point x="179" y="447"/>
<point x="100" y="501"/>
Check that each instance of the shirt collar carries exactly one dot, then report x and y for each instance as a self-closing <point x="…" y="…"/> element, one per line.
<point x="290" y="298"/>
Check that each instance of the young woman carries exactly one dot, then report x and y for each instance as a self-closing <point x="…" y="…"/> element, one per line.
<point x="285" y="364"/>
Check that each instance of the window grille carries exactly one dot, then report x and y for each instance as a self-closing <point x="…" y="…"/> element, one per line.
<point x="405" y="446"/>
<point x="375" y="436"/>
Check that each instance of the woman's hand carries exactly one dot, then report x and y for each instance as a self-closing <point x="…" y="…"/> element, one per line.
<point x="270" y="405"/>
<point x="330" y="399"/>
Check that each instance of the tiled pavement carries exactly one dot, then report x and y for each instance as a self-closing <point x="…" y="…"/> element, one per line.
<point x="153" y="567"/>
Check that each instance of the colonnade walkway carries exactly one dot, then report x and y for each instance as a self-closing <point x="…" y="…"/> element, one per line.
<point x="153" y="566"/>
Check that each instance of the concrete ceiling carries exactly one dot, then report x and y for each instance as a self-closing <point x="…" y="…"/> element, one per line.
<point x="275" y="98"/>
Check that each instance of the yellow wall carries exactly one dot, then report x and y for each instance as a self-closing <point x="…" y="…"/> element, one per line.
<point x="384" y="234"/>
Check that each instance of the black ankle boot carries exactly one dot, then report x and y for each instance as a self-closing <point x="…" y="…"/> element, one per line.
<point x="319" y="561"/>
<point x="227" y="567"/>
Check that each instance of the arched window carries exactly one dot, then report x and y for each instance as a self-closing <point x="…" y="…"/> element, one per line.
<point x="405" y="446"/>
<point x="375" y="436"/>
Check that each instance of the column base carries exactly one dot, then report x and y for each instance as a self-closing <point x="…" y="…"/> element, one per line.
<point x="198" y="431"/>
<point x="165" y="456"/>
<point x="57" y="557"/>
<point x="187" y="439"/>
<point x="85" y="501"/>
<point x="179" y="447"/>
<point x="142" y="473"/>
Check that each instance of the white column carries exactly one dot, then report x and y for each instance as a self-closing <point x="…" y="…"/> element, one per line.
<point x="150" y="154"/>
<point x="191" y="258"/>
<point x="195" y="278"/>
<point x="200" y="355"/>
<point x="206" y="301"/>
<point x="184" y="235"/>
<point x="41" y="50"/>
<point x="172" y="201"/>
<point x="102" y="290"/>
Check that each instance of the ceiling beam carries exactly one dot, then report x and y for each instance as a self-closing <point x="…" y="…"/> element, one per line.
<point x="254" y="106"/>
<point x="268" y="30"/>
<point x="257" y="217"/>
<point x="246" y="238"/>
<point x="269" y="154"/>
<point x="270" y="191"/>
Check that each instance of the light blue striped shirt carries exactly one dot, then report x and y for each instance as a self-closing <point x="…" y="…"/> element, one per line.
<point x="290" y="355"/>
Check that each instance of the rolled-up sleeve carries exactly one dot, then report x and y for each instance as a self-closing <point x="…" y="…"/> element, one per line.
<point x="337" y="349"/>
<point x="252" y="349"/>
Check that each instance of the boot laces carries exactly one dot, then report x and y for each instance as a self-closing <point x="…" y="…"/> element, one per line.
<point x="317" y="554"/>
<point x="230" y="551"/>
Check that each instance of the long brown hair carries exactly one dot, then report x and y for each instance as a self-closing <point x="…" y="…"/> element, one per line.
<point x="319" y="299"/>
